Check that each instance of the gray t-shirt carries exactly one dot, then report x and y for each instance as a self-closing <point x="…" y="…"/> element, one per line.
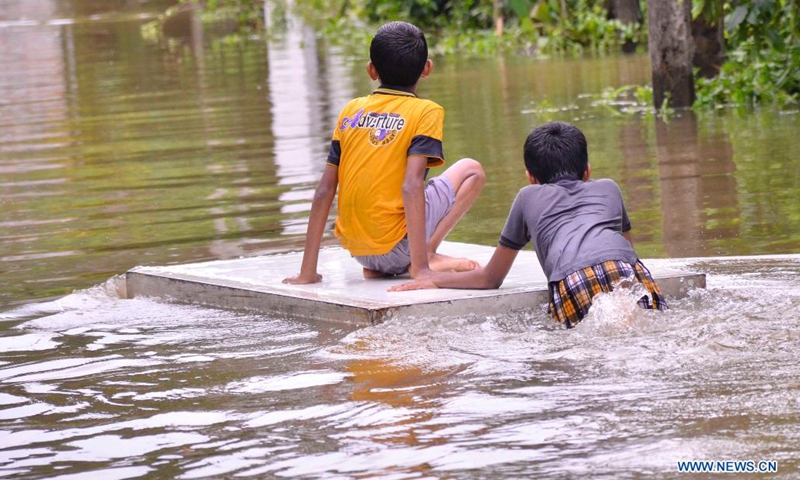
<point x="573" y="225"/>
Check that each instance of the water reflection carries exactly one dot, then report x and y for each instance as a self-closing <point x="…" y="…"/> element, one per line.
<point x="304" y="106"/>
<point x="638" y="181"/>
<point x="698" y="187"/>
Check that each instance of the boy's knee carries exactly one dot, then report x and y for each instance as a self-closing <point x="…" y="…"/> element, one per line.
<point x="472" y="167"/>
<point x="466" y="171"/>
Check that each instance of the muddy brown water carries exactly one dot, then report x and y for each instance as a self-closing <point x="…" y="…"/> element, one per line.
<point x="119" y="150"/>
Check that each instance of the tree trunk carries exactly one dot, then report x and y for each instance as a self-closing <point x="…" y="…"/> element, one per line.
<point x="629" y="13"/>
<point x="709" y="41"/>
<point x="497" y="14"/>
<point x="671" y="50"/>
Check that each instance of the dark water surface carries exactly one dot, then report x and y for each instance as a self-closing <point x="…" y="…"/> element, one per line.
<point x="119" y="150"/>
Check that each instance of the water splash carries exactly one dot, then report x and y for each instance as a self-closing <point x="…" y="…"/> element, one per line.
<point x="460" y="395"/>
<point x="98" y="296"/>
<point x="618" y="308"/>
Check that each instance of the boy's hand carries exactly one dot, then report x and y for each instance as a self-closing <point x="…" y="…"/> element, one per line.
<point x="303" y="279"/>
<point x="413" y="285"/>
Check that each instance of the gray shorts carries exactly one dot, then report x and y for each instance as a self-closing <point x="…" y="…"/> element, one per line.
<point x="439" y="199"/>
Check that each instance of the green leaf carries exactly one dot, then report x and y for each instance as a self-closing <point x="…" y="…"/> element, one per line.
<point x="520" y="7"/>
<point x="697" y="8"/>
<point x="736" y="18"/>
<point x="541" y="13"/>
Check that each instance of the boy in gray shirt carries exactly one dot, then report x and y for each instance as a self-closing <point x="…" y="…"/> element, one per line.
<point x="579" y="228"/>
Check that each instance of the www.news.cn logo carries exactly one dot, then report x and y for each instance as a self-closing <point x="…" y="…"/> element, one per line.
<point x="728" y="466"/>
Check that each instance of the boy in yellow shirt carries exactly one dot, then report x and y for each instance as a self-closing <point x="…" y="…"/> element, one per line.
<point x="390" y="220"/>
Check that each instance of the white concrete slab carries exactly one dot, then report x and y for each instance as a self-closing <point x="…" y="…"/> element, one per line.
<point x="344" y="296"/>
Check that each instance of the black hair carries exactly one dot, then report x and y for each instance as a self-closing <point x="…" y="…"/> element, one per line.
<point x="556" y="150"/>
<point x="399" y="52"/>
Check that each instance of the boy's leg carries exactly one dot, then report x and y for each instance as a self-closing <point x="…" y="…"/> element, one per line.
<point x="394" y="262"/>
<point x="656" y="300"/>
<point x="467" y="179"/>
<point x="447" y="199"/>
<point x="370" y="274"/>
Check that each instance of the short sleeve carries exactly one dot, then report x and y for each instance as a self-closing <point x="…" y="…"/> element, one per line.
<point x="335" y="151"/>
<point x="626" y="222"/>
<point x="427" y="139"/>
<point x="515" y="233"/>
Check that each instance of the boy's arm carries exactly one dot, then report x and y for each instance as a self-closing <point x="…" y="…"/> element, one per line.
<point x="628" y="237"/>
<point x="414" y="204"/>
<point x="320" y="209"/>
<point x="488" y="277"/>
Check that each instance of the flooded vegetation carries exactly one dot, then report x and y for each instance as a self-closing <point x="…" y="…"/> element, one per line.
<point x="118" y="150"/>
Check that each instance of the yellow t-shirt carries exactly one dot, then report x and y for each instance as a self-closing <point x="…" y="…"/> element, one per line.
<point x="372" y="141"/>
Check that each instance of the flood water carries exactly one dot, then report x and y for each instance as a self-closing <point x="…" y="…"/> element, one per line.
<point x="118" y="150"/>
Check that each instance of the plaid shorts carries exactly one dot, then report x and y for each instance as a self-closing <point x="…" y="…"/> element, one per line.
<point x="571" y="297"/>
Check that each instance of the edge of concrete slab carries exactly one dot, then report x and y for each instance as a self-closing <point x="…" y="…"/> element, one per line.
<point x="231" y="295"/>
<point x="216" y="294"/>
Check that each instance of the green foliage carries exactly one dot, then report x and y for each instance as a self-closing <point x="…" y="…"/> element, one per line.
<point x="429" y="14"/>
<point x="584" y="26"/>
<point x="467" y="26"/>
<point x="248" y="13"/>
<point x="477" y="42"/>
<point x="752" y="77"/>
<point x="631" y="100"/>
<point x="573" y="26"/>
<point x="764" y="56"/>
<point x="762" y="37"/>
<point x="768" y="23"/>
<point x="236" y="18"/>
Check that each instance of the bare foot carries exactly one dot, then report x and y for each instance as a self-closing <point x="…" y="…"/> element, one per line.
<point x="442" y="263"/>
<point x="370" y="274"/>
